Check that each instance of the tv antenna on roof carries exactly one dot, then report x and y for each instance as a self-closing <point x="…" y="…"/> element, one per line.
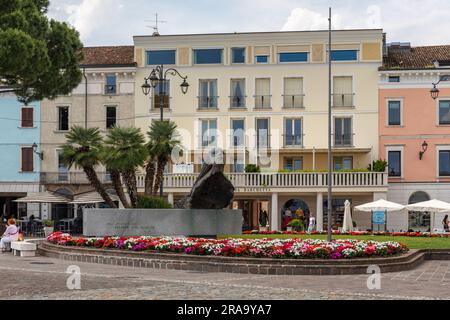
<point x="155" y="27"/>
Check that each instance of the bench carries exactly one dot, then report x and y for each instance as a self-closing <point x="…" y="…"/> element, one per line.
<point x="24" y="249"/>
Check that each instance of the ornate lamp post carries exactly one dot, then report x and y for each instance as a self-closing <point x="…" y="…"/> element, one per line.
<point x="435" y="91"/>
<point x="158" y="76"/>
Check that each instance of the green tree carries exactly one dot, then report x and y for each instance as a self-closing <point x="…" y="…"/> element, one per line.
<point x="125" y="152"/>
<point x="83" y="149"/>
<point x="39" y="57"/>
<point x="163" y="138"/>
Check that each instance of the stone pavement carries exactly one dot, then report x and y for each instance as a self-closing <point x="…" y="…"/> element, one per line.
<point x="45" y="278"/>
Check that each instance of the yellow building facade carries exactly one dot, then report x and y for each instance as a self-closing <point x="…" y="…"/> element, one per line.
<point x="265" y="95"/>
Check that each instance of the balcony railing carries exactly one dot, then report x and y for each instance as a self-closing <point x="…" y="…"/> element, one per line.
<point x="295" y="101"/>
<point x="283" y="180"/>
<point x="295" y="140"/>
<point x="207" y="102"/>
<point x="343" y="140"/>
<point x="343" y="100"/>
<point x="72" y="178"/>
<point x="111" y="89"/>
<point x="238" y="102"/>
<point x="263" y="102"/>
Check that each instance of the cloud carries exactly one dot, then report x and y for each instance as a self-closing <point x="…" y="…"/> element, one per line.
<point x="305" y="19"/>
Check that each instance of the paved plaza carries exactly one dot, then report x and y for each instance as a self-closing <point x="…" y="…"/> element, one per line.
<point x="46" y="278"/>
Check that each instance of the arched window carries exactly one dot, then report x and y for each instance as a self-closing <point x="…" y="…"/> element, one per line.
<point x="418" y="196"/>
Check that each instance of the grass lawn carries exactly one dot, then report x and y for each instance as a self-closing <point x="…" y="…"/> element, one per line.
<point x="411" y="242"/>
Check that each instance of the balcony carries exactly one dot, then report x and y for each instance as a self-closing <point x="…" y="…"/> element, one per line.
<point x="71" y="178"/>
<point x="293" y="101"/>
<point x="283" y="182"/>
<point x="110" y="89"/>
<point x="293" y="141"/>
<point x="263" y="102"/>
<point x="208" y="102"/>
<point x="343" y="140"/>
<point x="238" y="102"/>
<point x="343" y="100"/>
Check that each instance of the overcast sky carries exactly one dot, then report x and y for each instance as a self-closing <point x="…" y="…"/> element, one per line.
<point x="114" y="22"/>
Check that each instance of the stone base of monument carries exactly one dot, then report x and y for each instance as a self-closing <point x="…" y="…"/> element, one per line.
<point x="161" y="222"/>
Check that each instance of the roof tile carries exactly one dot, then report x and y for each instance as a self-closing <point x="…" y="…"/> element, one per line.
<point x="108" y="56"/>
<point x="416" y="58"/>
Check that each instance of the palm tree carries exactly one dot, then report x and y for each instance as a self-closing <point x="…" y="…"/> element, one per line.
<point x="150" y="169"/>
<point x="125" y="152"/>
<point x="83" y="150"/>
<point x="163" y="138"/>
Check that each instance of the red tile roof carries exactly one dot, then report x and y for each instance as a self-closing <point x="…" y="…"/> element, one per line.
<point x="416" y="58"/>
<point x="108" y="56"/>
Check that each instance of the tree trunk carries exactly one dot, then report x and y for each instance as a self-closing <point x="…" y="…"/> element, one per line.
<point x="95" y="182"/>
<point x="150" y="170"/>
<point x="131" y="183"/>
<point x="159" y="175"/>
<point x="117" y="183"/>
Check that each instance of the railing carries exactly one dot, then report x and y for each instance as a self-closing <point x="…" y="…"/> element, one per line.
<point x="283" y="180"/>
<point x="111" y="89"/>
<point x="263" y="102"/>
<point x="207" y="102"/>
<point x="343" y="140"/>
<point x="343" y="100"/>
<point x="238" y="102"/>
<point x="295" y="140"/>
<point x="293" y="101"/>
<point x="72" y="178"/>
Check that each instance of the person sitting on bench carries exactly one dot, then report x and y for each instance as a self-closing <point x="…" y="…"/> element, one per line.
<point x="11" y="235"/>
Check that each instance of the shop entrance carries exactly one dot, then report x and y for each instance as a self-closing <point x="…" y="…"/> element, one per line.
<point x="419" y="221"/>
<point x="294" y="209"/>
<point x="255" y="214"/>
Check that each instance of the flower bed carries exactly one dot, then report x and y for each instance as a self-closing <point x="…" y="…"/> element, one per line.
<point x="356" y="233"/>
<point x="259" y="248"/>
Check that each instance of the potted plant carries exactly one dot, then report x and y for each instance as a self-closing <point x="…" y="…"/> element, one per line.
<point x="296" y="225"/>
<point x="49" y="227"/>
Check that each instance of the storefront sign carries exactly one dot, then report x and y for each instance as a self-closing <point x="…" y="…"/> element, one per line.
<point x="379" y="218"/>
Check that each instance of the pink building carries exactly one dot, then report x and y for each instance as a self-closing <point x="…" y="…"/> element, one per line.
<point x="414" y="130"/>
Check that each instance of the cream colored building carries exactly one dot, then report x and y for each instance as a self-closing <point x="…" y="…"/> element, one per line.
<point x="105" y="97"/>
<point x="273" y="86"/>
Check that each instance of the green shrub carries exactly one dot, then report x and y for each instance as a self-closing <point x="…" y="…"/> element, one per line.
<point x="378" y="166"/>
<point x="297" y="225"/>
<point x="146" y="202"/>
<point x="252" y="168"/>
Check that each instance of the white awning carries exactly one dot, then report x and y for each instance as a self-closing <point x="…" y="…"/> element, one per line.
<point x="430" y="206"/>
<point x="43" y="197"/>
<point x="91" y="198"/>
<point x="19" y="188"/>
<point x="380" y="205"/>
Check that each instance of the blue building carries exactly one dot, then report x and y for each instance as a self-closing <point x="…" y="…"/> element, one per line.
<point x="20" y="156"/>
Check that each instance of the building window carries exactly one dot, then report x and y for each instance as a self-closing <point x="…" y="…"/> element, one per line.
<point x="344" y="55"/>
<point x="238" y="163"/>
<point x="444" y="163"/>
<point x="444" y="112"/>
<point x="27" y="120"/>
<point x="394" y="79"/>
<point x="208" y="56"/>
<point x="293" y="57"/>
<point x="63" y="171"/>
<point x="161" y="57"/>
<point x="111" y="117"/>
<point x="63" y="118"/>
<point x="238" y="55"/>
<point x="291" y="164"/>
<point x="161" y="93"/>
<point x="343" y="163"/>
<point x="237" y="94"/>
<point x="262" y="133"/>
<point x="208" y="94"/>
<point x="293" y="133"/>
<point x="262" y="94"/>
<point x="395" y="163"/>
<point x="343" y="92"/>
<point x="262" y="59"/>
<point x="293" y="93"/>
<point x="238" y="127"/>
<point x="111" y="84"/>
<point x="209" y="133"/>
<point x="343" y="135"/>
<point x="27" y="159"/>
<point x="394" y="113"/>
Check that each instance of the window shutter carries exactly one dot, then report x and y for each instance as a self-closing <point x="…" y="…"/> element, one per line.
<point x="343" y="85"/>
<point x="293" y="86"/>
<point x="262" y="87"/>
<point x="27" y="160"/>
<point x="27" y="118"/>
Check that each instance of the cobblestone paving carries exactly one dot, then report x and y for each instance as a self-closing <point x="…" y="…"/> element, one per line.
<point x="45" y="278"/>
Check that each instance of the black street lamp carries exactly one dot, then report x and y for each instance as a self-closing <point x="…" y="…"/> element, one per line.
<point x="435" y="91"/>
<point x="158" y="76"/>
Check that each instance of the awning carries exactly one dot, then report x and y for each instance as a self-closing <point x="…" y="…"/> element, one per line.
<point x="430" y="206"/>
<point x="91" y="198"/>
<point x="380" y="205"/>
<point x="43" y="197"/>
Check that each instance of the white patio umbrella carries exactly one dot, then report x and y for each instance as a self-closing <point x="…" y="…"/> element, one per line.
<point x="348" y="222"/>
<point x="432" y="206"/>
<point x="381" y="205"/>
